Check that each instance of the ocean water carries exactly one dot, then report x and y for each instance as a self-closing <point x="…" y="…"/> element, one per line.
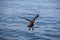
<point x="47" y="25"/>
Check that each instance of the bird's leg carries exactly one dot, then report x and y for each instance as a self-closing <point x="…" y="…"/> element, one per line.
<point x="32" y="28"/>
<point x="29" y="29"/>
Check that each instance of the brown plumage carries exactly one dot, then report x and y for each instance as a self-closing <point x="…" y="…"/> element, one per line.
<point x="31" y="22"/>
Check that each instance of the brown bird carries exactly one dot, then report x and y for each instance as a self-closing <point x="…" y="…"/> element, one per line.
<point x="31" y="22"/>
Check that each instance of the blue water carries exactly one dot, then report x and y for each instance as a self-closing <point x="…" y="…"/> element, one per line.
<point x="47" y="26"/>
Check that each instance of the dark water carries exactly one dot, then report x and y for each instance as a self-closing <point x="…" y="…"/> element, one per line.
<point x="47" y="26"/>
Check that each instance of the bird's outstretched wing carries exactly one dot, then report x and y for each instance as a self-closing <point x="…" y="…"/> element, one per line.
<point x="24" y="18"/>
<point x="36" y="16"/>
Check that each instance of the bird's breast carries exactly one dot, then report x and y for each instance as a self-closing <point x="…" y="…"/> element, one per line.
<point x="30" y="24"/>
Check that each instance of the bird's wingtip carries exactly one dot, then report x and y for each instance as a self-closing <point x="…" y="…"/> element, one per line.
<point x="38" y="15"/>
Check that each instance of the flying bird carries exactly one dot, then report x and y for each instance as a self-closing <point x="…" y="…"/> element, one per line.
<point x="31" y="22"/>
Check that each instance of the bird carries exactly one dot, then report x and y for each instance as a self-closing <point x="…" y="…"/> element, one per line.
<point x="31" y="21"/>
